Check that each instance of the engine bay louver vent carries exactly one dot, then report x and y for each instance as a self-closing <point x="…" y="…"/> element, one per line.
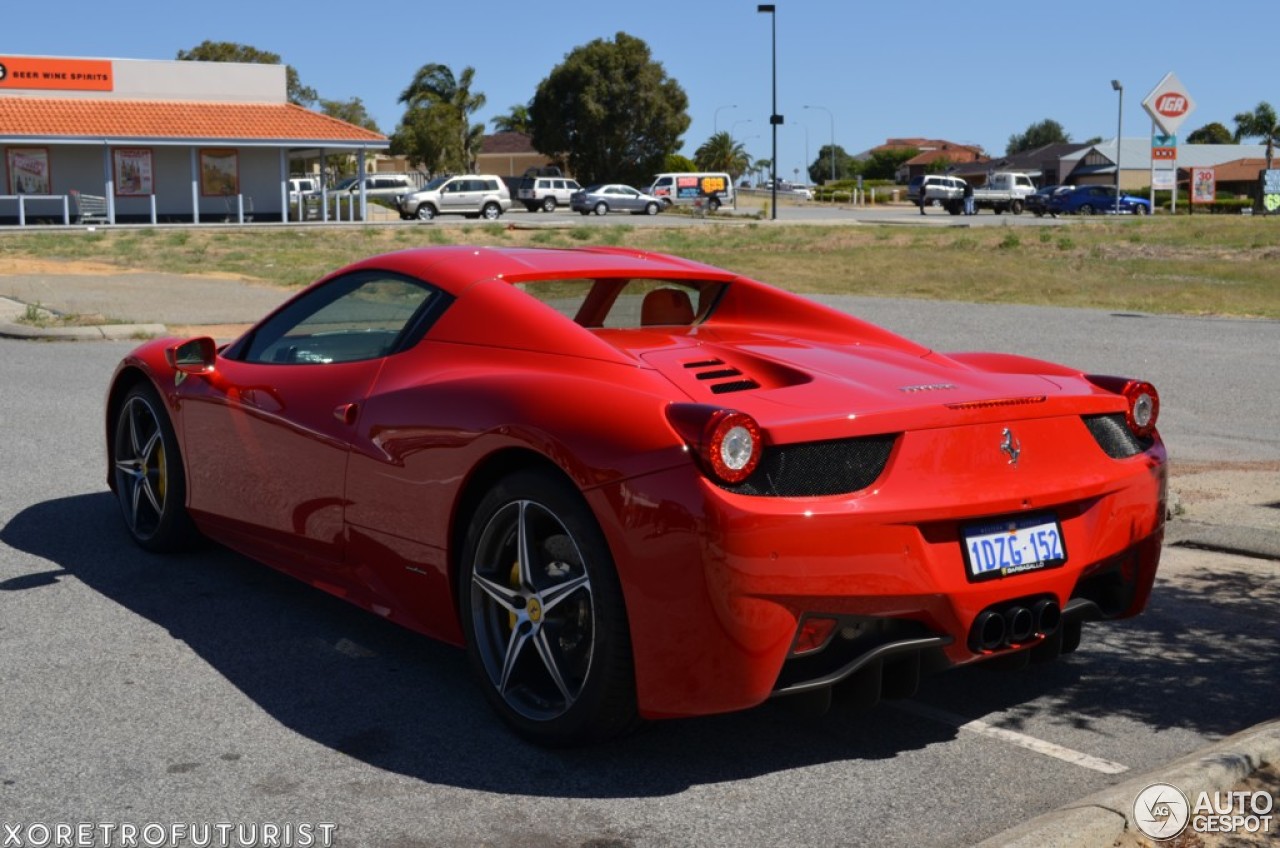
<point x="812" y="469"/>
<point x="730" y="378"/>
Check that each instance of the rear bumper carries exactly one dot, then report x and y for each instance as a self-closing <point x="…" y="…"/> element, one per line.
<point x="717" y="584"/>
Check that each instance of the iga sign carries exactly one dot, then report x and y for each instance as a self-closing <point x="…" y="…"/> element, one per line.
<point x="1168" y="104"/>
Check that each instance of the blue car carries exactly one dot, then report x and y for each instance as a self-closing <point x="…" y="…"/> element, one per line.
<point x="1095" y="199"/>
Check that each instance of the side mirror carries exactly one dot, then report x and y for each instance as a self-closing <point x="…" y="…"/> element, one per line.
<point x="194" y="356"/>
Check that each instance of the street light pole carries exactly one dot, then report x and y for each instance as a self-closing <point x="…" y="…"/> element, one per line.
<point x="832" y="150"/>
<point x="774" y="118"/>
<point x="715" y="118"/>
<point x="1119" y="89"/>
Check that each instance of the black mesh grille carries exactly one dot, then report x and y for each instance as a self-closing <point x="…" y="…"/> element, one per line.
<point x="1114" y="436"/>
<point x="818" y="468"/>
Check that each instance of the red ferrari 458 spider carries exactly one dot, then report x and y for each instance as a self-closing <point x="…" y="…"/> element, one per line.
<point x="635" y="486"/>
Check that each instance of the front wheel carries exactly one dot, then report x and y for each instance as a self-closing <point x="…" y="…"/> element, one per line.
<point x="1086" y="209"/>
<point x="651" y="208"/>
<point x="602" y="208"/>
<point x="1016" y="207"/>
<point x="1139" y="209"/>
<point x="713" y="205"/>
<point x="491" y="211"/>
<point x="542" y="611"/>
<point x="150" y="484"/>
<point x="426" y="212"/>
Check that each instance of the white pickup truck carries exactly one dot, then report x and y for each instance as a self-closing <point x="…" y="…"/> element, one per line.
<point x="1005" y="191"/>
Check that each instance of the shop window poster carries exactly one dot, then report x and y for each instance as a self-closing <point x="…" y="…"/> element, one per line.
<point x="28" y="170"/>
<point x="133" y="172"/>
<point x="219" y="173"/>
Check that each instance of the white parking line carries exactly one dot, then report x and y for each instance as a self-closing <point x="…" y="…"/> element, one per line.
<point x="1031" y="743"/>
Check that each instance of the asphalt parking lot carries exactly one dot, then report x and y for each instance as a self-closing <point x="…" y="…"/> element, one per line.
<point x="207" y="688"/>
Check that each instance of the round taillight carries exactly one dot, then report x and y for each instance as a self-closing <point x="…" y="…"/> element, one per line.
<point x="732" y="445"/>
<point x="1144" y="408"/>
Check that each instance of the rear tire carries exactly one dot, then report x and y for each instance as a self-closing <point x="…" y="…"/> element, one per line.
<point x="543" y="615"/>
<point x="491" y="212"/>
<point x="1086" y="209"/>
<point x="549" y="204"/>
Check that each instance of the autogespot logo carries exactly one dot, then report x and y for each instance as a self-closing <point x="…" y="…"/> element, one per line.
<point x="1161" y="811"/>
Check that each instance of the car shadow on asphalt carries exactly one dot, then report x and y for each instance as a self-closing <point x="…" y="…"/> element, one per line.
<point x="401" y="702"/>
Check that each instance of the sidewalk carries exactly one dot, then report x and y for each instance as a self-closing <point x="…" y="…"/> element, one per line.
<point x="123" y="306"/>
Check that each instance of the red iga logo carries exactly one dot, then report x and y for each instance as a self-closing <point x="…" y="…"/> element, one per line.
<point x="1171" y="105"/>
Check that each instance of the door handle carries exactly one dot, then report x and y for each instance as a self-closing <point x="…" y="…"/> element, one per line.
<point x="346" y="413"/>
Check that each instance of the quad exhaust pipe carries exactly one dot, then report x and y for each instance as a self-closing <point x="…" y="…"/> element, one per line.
<point x="1013" y="624"/>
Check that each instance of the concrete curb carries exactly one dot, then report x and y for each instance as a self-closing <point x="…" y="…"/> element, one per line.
<point x="1103" y="817"/>
<point x="93" y="332"/>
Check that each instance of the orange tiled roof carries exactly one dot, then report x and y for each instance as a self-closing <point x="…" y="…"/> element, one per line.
<point x="74" y="118"/>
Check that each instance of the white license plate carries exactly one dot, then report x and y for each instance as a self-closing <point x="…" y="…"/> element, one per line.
<point x="1007" y="546"/>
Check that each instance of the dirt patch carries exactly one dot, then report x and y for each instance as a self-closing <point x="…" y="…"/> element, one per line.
<point x="26" y="265"/>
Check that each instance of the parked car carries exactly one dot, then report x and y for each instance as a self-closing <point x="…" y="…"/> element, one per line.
<point x="938" y="189"/>
<point x="1091" y="199"/>
<point x="302" y="186"/>
<point x="636" y="486"/>
<point x="603" y="199"/>
<point x="388" y="187"/>
<point x="546" y="193"/>
<point x="1037" y="203"/>
<point x="472" y="195"/>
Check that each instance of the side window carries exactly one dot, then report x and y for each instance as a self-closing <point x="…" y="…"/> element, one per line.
<point x="361" y="316"/>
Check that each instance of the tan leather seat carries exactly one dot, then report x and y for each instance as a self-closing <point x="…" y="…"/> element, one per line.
<point x="666" y="306"/>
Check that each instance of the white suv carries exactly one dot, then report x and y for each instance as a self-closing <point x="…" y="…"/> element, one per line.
<point x="936" y="187"/>
<point x="473" y="195"/>
<point x="546" y="193"/>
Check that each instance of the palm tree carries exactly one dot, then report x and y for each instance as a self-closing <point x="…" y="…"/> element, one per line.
<point x="435" y="87"/>
<point x="721" y="153"/>
<point x="1260" y="123"/>
<point x="517" y="120"/>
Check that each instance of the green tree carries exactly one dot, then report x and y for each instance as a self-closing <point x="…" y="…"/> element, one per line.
<point x="450" y="139"/>
<point x="227" y="51"/>
<point x="762" y="169"/>
<point x="721" y="153"/>
<point x="821" y="171"/>
<point x="884" y="164"/>
<point x="676" y="163"/>
<point x="1039" y="134"/>
<point x="1260" y="123"/>
<point x="610" y="112"/>
<point x="423" y="137"/>
<point x="1214" y="133"/>
<point x="352" y="111"/>
<point x="517" y="120"/>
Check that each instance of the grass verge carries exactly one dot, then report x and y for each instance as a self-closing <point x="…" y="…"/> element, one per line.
<point x="1219" y="265"/>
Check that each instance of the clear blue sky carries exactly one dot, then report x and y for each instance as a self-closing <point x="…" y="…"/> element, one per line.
<point x="969" y="72"/>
